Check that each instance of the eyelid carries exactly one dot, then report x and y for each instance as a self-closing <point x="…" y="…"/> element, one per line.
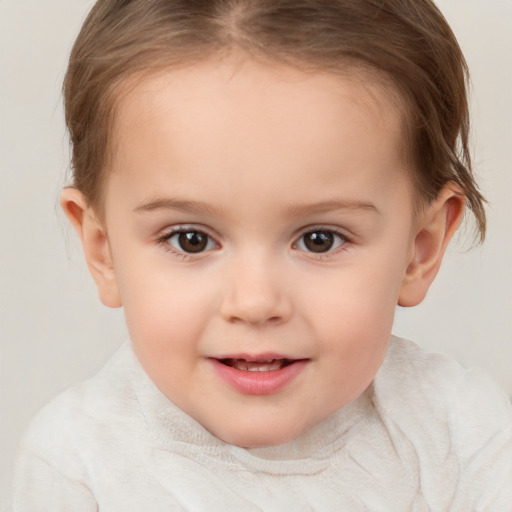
<point x="346" y="239"/>
<point x="344" y="233"/>
<point x="171" y="231"/>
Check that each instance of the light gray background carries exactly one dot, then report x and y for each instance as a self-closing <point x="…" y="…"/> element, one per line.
<point x="53" y="330"/>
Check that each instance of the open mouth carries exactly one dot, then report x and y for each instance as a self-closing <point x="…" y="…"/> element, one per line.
<point x="257" y="366"/>
<point x="264" y="374"/>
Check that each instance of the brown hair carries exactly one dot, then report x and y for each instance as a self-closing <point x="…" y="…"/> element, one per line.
<point x="407" y="41"/>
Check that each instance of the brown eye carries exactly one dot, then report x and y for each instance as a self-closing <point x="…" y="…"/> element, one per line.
<point x="191" y="242"/>
<point x="194" y="241"/>
<point x="320" y="241"/>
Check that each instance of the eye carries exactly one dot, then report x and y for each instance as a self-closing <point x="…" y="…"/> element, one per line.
<point x="190" y="241"/>
<point x="320" y="241"/>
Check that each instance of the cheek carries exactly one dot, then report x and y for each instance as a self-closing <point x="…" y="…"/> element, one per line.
<point x="353" y="321"/>
<point x="359" y="298"/>
<point x="166" y="329"/>
<point x="163" y="308"/>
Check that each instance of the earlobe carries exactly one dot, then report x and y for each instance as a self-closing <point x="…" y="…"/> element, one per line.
<point x="95" y="245"/>
<point x="437" y="226"/>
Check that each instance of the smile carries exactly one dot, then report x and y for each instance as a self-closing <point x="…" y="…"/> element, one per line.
<point x="257" y="366"/>
<point x="258" y="376"/>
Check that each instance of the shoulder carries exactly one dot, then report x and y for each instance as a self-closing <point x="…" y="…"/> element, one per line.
<point x="80" y="419"/>
<point x="79" y="431"/>
<point x="443" y="386"/>
<point x="456" y="423"/>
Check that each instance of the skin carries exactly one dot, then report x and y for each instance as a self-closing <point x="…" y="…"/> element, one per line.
<point x="255" y="156"/>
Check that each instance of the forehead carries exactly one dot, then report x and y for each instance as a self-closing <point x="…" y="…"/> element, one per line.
<point x="192" y="95"/>
<point x="238" y="118"/>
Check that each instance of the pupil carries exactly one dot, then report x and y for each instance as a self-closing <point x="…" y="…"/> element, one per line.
<point x="193" y="241"/>
<point x="319" y="241"/>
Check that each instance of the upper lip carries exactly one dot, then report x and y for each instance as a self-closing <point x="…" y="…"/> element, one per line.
<point x="265" y="357"/>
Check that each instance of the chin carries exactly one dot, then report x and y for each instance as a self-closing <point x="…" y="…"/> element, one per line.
<point x="256" y="441"/>
<point x="251" y="437"/>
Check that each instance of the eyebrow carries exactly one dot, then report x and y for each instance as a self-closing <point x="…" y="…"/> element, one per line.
<point x="329" y="206"/>
<point x="195" y="207"/>
<point x="293" y="211"/>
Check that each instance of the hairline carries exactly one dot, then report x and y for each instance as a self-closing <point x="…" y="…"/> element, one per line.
<point x="375" y="81"/>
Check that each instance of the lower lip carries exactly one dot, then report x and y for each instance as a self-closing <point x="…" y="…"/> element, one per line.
<point x="258" y="383"/>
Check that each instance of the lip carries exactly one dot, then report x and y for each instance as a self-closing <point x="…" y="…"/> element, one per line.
<point x="258" y="382"/>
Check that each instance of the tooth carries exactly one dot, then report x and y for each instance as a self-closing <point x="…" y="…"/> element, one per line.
<point x="257" y="366"/>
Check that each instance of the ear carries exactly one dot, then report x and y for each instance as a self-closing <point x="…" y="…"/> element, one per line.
<point x="435" y="229"/>
<point x="95" y="245"/>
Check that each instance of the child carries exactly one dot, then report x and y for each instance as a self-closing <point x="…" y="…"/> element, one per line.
<point x="259" y="183"/>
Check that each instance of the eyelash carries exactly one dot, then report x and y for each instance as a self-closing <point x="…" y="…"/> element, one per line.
<point x="164" y="240"/>
<point x="343" y="241"/>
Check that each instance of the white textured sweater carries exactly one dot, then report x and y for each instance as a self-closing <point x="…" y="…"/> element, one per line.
<point x="427" y="435"/>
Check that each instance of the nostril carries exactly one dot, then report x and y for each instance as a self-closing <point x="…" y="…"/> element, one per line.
<point x="274" y="320"/>
<point x="255" y="303"/>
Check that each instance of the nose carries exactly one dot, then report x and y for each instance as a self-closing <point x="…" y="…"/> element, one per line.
<point x="256" y="294"/>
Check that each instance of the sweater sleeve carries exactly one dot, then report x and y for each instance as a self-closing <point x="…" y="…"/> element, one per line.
<point x="50" y="472"/>
<point x="39" y="487"/>
<point x="485" y="447"/>
<point x="487" y="482"/>
<point x="458" y="425"/>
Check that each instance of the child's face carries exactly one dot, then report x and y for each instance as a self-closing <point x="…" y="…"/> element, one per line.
<point x="259" y="219"/>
